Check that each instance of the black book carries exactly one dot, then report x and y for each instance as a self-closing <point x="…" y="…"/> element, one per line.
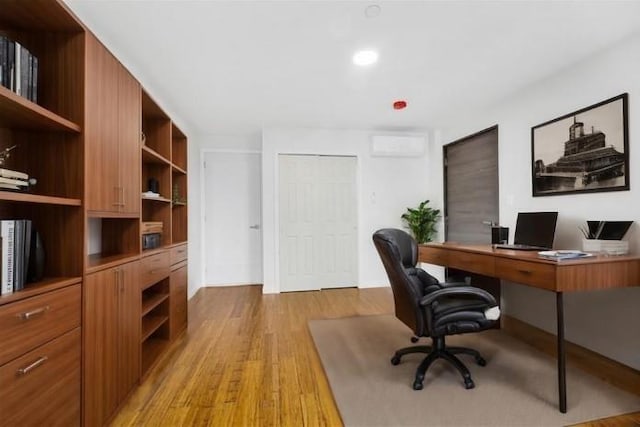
<point x="11" y="62"/>
<point x="4" y="61"/>
<point x="27" y="251"/>
<point x="18" y="254"/>
<point x="34" y="79"/>
<point x="22" y="58"/>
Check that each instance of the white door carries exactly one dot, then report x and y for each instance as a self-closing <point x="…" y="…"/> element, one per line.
<point x="318" y="222"/>
<point x="232" y="214"/>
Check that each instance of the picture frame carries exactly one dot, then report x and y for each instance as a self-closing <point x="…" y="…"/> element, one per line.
<point x="585" y="151"/>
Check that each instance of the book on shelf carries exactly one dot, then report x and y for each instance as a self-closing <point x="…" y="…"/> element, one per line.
<point x="7" y="228"/>
<point x="17" y="237"/>
<point x="564" y="254"/>
<point x="18" y="69"/>
<point x="14" y="181"/>
<point x="8" y="173"/>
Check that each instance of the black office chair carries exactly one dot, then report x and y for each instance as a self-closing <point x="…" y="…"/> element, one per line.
<point x="430" y="308"/>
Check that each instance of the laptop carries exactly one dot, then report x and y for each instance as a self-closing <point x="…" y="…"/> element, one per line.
<point x="535" y="231"/>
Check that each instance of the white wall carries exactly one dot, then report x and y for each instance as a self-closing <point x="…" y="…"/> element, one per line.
<point x="605" y="321"/>
<point x="386" y="187"/>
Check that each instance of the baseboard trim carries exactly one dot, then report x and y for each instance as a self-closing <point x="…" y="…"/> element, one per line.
<point x="606" y="369"/>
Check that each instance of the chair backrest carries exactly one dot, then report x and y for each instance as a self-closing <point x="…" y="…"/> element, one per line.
<point x="399" y="254"/>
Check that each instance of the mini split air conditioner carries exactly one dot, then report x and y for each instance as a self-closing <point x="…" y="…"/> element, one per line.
<point x="397" y="146"/>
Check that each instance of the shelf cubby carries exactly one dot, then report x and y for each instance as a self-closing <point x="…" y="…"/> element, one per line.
<point x="156" y="127"/>
<point x="178" y="148"/>
<point x="116" y="240"/>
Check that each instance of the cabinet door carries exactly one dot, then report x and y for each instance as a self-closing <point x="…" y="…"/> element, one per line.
<point x="129" y="128"/>
<point x="101" y="129"/>
<point x="128" y="328"/>
<point x="100" y="329"/>
<point x="178" y="301"/>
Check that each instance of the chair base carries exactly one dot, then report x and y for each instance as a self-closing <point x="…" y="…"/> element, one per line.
<point x="439" y="351"/>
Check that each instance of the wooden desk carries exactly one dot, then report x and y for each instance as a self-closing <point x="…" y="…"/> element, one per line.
<point x="587" y="274"/>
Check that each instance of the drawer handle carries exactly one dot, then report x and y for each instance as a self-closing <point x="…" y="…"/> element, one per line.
<point x="29" y="314"/>
<point x="525" y="272"/>
<point x="181" y="251"/>
<point x="34" y="365"/>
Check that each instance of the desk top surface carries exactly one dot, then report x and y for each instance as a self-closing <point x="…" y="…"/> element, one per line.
<point x="526" y="255"/>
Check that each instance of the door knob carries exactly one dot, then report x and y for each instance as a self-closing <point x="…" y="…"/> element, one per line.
<point x="255" y="226"/>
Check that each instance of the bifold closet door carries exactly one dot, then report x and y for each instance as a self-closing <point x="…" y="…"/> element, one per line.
<point x="317" y="221"/>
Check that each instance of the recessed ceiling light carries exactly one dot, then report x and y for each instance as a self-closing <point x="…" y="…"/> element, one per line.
<point x="365" y="57"/>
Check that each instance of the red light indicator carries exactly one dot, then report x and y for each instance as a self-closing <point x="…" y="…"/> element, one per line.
<point x="399" y="105"/>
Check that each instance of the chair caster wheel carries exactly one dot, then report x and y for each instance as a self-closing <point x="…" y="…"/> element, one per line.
<point x="468" y="383"/>
<point x="417" y="385"/>
<point x="414" y="339"/>
<point x="395" y="360"/>
<point x="480" y="361"/>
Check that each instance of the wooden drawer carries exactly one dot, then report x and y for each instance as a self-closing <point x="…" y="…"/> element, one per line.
<point x="474" y="263"/>
<point x="42" y="387"/>
<point x="26" y="324"/>
<point x="431" y="255"/>
<point x="529" y="273"/>
<point x="178" y="253"/>
<point x="154" y="268"/>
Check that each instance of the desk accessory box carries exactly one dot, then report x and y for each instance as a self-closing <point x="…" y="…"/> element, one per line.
<point x="609" y="247"/>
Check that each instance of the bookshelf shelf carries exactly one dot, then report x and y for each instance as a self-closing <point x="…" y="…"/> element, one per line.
<point x="151" y="301"/>
<point x="151" y="324"/>
<point x="12" y="196"/>
<point x="152" y="348"/>
<point x="151" y="156"/>
<point x="177" y="169"/>
<point x="20" y="113"/>
<point x="156" y="199"/>
<point x="99" y="262"/>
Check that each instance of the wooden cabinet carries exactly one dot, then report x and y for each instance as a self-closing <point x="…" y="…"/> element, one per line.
<point x="112" y="134"/>
<point x="111" y="340"/>
<point x="81" y="140"/>
<point x="178" y="299"/>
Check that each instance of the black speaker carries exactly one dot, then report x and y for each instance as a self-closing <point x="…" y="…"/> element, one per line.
<point x="153" y="185"/>
<point x="499" y="235"/>
<point x="35" y="271"/>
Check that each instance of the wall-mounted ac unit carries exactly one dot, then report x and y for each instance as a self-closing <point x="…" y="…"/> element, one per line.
<point x="397" y="146"/>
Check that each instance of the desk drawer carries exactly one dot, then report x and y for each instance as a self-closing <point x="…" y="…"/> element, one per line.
<point x="474" y="263"/>
<point x="26" y="324"/>
<point x="431" y="255"/>
<point x="154" y="268"/>
<point x="528" y="273"/>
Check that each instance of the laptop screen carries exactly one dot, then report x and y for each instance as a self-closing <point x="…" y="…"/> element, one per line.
<point x="535" y="228"/>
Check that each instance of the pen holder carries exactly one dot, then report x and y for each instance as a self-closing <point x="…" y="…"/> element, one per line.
<point x="499" y="235"/>
<point x="609" y="247"/>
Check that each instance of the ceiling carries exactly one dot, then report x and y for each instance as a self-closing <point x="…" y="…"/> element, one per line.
<point x="234" y="67"/>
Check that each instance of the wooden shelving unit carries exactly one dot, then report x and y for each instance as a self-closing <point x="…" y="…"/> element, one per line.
<point x="48" y="139"/>
<point x="93" y="140"/>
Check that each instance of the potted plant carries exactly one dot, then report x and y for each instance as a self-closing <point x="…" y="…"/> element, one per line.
<point x="421" y="221"/>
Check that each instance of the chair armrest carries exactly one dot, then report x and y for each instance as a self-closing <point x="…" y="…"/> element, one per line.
<point x="480" y="294"/>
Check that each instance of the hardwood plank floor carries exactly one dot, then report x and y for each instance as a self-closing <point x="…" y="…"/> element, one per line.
<point x="248" y="359"/>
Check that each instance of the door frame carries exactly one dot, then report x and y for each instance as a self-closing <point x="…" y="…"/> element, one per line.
<point x="204" y="151"/>
<point x="276" y="195"/>
<point x="444" y="172"/>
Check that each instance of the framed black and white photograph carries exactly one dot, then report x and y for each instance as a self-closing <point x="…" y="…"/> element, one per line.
<point x="583" y="151"/>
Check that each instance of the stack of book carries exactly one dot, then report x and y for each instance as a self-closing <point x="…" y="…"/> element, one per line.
<point x="18" y="69"/>
<point x="16" y="253"/>
<point x="13" y="180"/>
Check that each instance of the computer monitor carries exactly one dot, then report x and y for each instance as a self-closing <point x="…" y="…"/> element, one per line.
<point x="535" y="229"/>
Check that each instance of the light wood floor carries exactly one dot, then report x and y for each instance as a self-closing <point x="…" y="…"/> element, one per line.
<point x="248" y="359"/>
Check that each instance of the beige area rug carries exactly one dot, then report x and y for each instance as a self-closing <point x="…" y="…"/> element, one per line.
<point x="518" y="387"/>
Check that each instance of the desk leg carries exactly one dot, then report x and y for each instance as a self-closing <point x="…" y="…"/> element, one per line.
<point x="562" y="377"/>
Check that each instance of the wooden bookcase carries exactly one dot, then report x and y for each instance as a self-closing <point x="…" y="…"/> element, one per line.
<point x="48" y="136"/>
<point x="104" y="311"/>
